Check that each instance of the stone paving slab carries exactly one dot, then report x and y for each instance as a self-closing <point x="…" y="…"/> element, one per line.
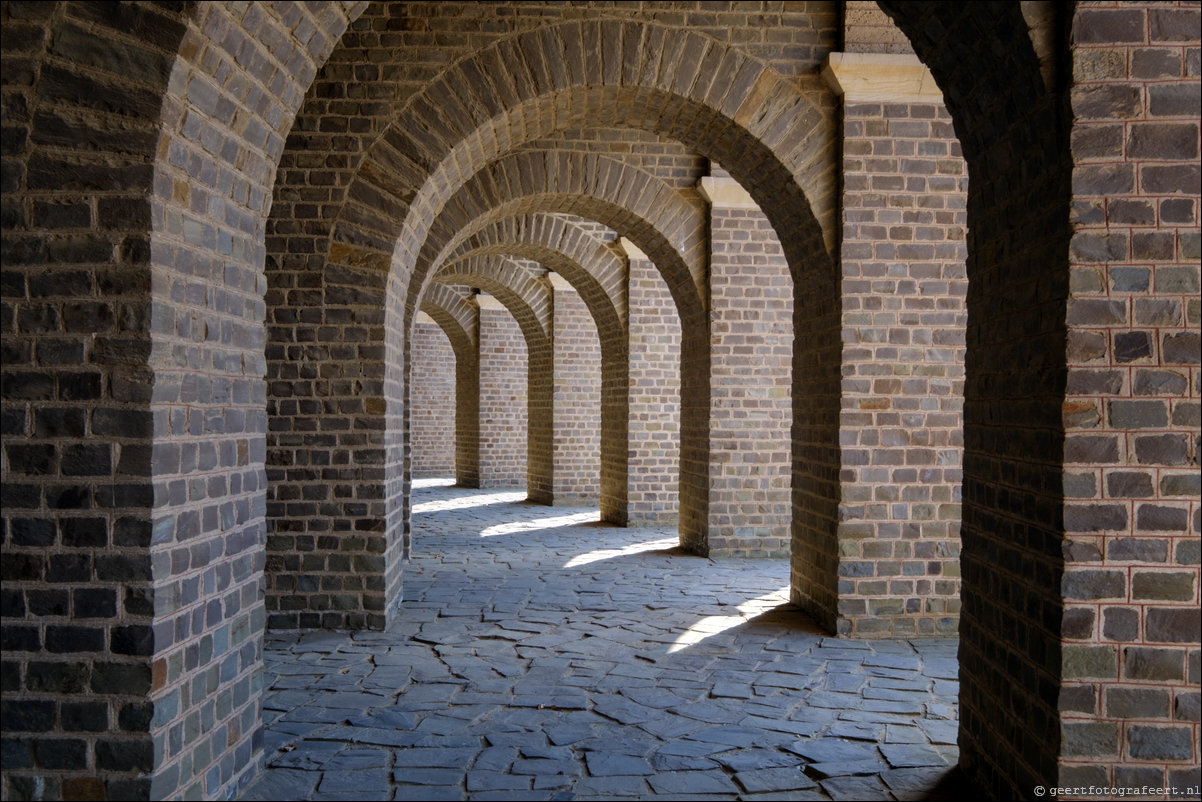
<point x="562" y="663"/>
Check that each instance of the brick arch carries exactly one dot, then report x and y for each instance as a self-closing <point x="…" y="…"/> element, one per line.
<point x="537" y="238"/>
<point x="626" y="199"/>
<point x="161" y="259"/>
<point x="559" y="243"/>
<point x="530" y="304"/>
<point x="1012" y="528"/>
<point x="458" y="318"/>
<point x="595" y="73"/>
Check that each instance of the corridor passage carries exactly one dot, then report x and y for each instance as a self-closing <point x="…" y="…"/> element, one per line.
<point x="542" y="655"/>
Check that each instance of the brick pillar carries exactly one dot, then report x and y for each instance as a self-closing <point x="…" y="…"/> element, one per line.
<point x="904" y="285"/>
<point x="576" y="426"/>
<point x="432" y="416"/>
<point x="751" y="327"/>
<point x="1129" y="695"/>
<point x="503" y="396"/>
<point x="654" y="433"/>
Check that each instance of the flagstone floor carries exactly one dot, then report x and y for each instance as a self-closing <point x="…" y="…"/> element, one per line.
<point x="542" y="655"/>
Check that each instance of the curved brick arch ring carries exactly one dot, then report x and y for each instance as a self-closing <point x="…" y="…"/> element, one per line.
<point x="626" y="199"/>
<point x="457" y="315"/>
<point x="588" y="263"/>
<point x="530" y="305"/>
<point x="510" y="238"/>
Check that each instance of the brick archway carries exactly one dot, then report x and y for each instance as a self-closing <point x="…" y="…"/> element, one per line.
<point x="458" y="318"/>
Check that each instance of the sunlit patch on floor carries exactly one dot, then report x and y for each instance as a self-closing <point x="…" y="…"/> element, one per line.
<point x="530" y="525"/>
<point x="715" y="624"/>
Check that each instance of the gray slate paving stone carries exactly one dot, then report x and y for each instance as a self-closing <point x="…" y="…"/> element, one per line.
<point x="774" y="779"/>
<point x="492" y="629"/>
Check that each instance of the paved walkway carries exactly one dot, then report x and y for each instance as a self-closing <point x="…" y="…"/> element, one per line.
<point x="542" y="655"/>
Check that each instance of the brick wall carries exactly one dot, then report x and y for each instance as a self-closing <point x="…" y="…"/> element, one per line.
<point x="432" y="425"/>
<point x="1129" y="705"/>
<point x="576" y="423"/>
<point x="751" y="322"/>
<point x="503" y="398"/>
<point x="903" y="311"/>
<point x="654" y="433"/>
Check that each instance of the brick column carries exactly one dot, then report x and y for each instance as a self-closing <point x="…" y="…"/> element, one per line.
<point x="654" y="433"/>
<point x="576" y="419"/>
<point x="432" y="417"/>
<point x="751" y="328"/>
<point x="1129" y="695"/>
<point x="904" y="285"/>
<point x="503" y="396"/>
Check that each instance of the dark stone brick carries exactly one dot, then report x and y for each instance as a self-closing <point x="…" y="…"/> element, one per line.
<point x="1159" y="743"/>
<point x="84" y="532"/>
<point x="1138" y="777"/>
<point x="1154" y="140"/>
<point x="1130" y="279"/>
<point x="1092" y="449"/>
<point x="121" y="678"/>
<point x="49" y="602"/>
<point x="1189" y="552"/>
<point x="74" y="639"/>
<point x="59" y="422"/>
<point x="27" y="715"/>
<point x="57" y="677"/>
<point x="69" y="568"/>
<point x="1120" y="624"/>
<point x="1156" y="518"/>
<point x="33" y="532"/>
<point x="1160" y="382"/>
<point x="1089" y="739"/>
<point x="1078" y="623"/>
<point x="15" y="638"/>
<point x="1182" y="349"/>
<point x="61" y="753"/>
<point x="137" y="640"/>
<point x="1175" y="179"/>
<point x="135" y="716"/>
<point x="1162" y="586"/>
<point x="1178" y="210"/>
<point x="1094" y="584"/>
<point x="1095" y="518"/>
<point x="1187" y="413"/>
<point x="1173" y="625"/>
<point x="1165" y="449"/>
<point x="1187" y="706"/>
<point x="1137" y="703"/>
<point x="40" y="459"/>
<point x="1081" y="662"/>
<point x="1080" y="485"/>
<point x="84" y="716"/>
<point x="1173" y="24"/>
<point x="80" y="386"/>
<point x="1137" y="549"/>
<point x="16" y="753"/>
<point x="1078" y="699"/>
<point x="94" y="602"/>
<point x="1129" y="484"/>
<point x="1130" y="346"/>
<point x="134" y="755"/>
<point x="122" y="568"/>
<point x="1138" y="414"/>
<point x="12" y="603"/>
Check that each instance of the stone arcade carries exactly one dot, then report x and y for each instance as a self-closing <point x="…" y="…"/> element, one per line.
<point x="849" y="283"/>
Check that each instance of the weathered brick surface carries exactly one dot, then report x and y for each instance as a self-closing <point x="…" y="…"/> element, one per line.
<point x="147" y="290"/>
<point x="654" y="468"/>
<point x="456" y="313"/>
<point x="1133" y="383"/>
<point x="576" y="435"/>
<point x="751" y="318"/>
<point x="904" y="282"/>
<point x="504" y="398"/>
<point x="432" y="425"/>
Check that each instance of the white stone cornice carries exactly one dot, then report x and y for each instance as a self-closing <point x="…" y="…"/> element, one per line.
<point x="632" y="250"/>
<point x="558" y="282"/>
<point x="725" y="193"/>
<point x="486" y="301"/>
<point x="880" y="77"/>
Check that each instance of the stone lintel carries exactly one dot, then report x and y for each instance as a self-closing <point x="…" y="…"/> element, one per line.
<point x="558" y="282"/>
<point x="725" y="193"/>
<point x="632" y="251"/>
<point x="880" y="77"/>
<point x="486" y="301"/>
